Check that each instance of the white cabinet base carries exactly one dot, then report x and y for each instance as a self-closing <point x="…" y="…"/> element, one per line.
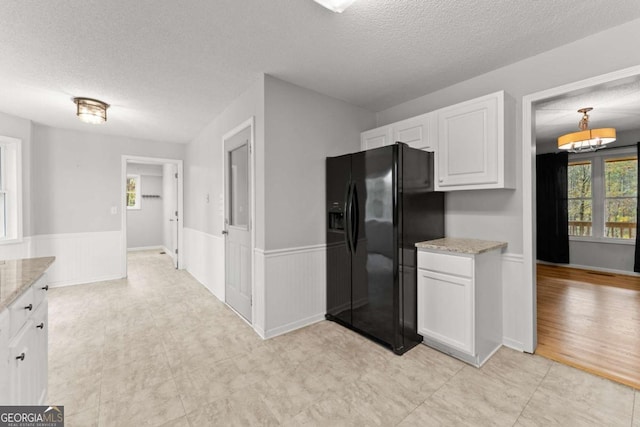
<point x="474" y="360"/>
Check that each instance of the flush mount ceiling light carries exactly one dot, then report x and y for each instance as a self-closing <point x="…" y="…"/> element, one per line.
<point x="335" y="5"/>
<point x="586" y="139"/>
<point x="91" y="110"/>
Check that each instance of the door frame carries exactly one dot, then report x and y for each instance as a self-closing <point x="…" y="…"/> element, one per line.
<point x="249" y="123"/>
<point x="126" y="158"/>
<point x="530" y="330"/>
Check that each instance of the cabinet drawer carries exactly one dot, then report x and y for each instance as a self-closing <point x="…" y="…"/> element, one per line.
<point x="20" y="310"/>
<point x="458" y="265"/>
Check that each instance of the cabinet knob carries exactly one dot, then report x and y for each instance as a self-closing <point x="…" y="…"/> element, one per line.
<point x="45" y="288"/>
<point x="441" y="180"/>
<point x="40" y="326"/>
<point x="29" y="307"/>
<point x="21" y="357"/>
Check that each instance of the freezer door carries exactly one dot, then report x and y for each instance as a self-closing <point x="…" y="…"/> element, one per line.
<point x="374" y="264"/>
<point x="338" y="175"/>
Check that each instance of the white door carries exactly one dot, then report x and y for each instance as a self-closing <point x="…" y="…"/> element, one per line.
<point x="238" y="223"/>
<point x="174" y="218"/>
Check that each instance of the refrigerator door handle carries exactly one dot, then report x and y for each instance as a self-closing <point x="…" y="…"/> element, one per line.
<point x="347" y="210"/>
<point x="355" y="216"/>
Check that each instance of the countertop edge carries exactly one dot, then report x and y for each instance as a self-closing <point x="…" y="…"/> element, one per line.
<point x="461" y="246"/>
<point x="7" y="300"/>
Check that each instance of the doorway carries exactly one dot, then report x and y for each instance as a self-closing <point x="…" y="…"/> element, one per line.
<point x="530" y="150"/>
<point x="151" y="207"/>
<point x="238" y="219"/>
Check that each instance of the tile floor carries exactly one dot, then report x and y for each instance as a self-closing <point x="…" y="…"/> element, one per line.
<point x="159" y="349"/>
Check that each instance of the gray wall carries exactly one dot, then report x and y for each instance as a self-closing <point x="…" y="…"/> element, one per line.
<point x="145" y="225"/>
<point x="76" y="178"/>
<point x="497" y="214"/>
<point x="302" y="128"/>
<point x="204" y="193"/>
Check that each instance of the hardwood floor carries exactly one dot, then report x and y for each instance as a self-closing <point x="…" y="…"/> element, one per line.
<point x="590" y="320"/>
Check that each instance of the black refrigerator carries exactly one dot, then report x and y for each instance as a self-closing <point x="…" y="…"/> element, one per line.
<point x="380" y="202"/>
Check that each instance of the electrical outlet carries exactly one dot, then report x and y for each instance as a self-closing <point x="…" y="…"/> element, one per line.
<point x="114" y="210"/>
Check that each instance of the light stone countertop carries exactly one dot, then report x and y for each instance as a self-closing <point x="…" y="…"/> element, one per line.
<point x="18" y="274"/>
<point x="463" y="246"/>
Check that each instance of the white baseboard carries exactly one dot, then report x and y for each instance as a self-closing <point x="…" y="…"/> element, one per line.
<point x="85" y="282"/>
<point x="513" y="344"/>
<point x="281" y="330"/>
<point x="146" y="248"/>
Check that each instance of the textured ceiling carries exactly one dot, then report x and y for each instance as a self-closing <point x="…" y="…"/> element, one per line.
<point x="615" y="104"/>
<point x="169" y="67"/>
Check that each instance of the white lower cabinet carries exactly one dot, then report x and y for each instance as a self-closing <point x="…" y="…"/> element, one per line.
<point x="24" y="348"/>
<point x="460" y="303"/>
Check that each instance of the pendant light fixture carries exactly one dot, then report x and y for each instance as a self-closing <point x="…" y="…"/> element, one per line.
<point x="586" y="139"/>
<point x="91" y="110"/>
<point x="335" y="5"/>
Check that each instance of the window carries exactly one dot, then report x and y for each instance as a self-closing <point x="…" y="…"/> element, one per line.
<point x="10" y="189"/>
<point x="621" y="191"/>
<point x="580" y="199"/>
<point x="133" y="191"/>
<point x="603" y="194"/>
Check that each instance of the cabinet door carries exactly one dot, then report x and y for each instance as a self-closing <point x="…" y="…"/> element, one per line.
<point x="446" y="310"/>
<point x="40" y="328"/>
<point x="471" y="144"/>
<point x="417" y="132"/>
<point x="4" y="357"/>
<point x="375" y="138"/>
<point x="22" y="364"/>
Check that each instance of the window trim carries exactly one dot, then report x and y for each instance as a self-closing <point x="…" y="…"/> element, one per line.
<point x="137" y="205"/>
<point x="598" y="196"/>
<point x="14" y="217"/>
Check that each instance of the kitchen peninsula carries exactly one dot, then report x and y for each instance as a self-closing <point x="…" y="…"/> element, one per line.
<point x="24" y="331"/>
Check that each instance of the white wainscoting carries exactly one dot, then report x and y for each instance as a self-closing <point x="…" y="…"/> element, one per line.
<point x="295" y="288"/>
<point x="259" y="320"/>
<point x="513" y="302"/>
<point x="204" y="259"/>
<point x="80" y="257"/>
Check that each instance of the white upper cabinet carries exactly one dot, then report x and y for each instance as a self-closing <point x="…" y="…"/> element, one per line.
<point x="473" y="142"/>
<point x="472" y="151"/>
<point x="378" y="137"/>
<point x="417" y="132"/>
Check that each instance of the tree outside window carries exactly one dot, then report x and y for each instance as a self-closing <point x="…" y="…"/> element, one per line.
<point x="133" y="191"/>
<point x="602" y="195"/>
<point x="580" y="202"/>
<point x="621" y="190"/>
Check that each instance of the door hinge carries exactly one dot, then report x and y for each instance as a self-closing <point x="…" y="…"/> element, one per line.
<point x="176" y="175"/>
<point x="176" y="251"/>
<point x="176" y="214"/>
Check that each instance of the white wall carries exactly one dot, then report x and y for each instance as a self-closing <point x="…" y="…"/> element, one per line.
<point x="302" y="128"/>
<point x="75" y="183"/>
<point x="295" y="129"/>
<point x="145" y="225"/>
<point x="497" y="214"/>
<point x="204" y="193"/>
